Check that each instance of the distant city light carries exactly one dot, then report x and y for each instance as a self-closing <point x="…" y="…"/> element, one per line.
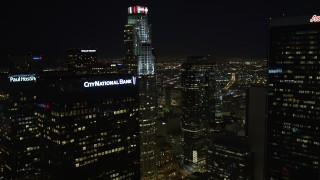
<point x="44" y="106"/>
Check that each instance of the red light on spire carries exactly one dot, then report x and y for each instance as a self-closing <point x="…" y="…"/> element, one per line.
<point x="138" y="10"/>
<point x="134" y="9"/>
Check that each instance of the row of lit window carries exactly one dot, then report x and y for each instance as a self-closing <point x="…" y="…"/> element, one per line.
<point x="33" y="148"/>
<point x="114" y="177"/>
<point x="86" y="162"/>
<point x="72" y="113"/>
<point x="99" y="154"/>
<point x="220" y="150"/>
<point x="309" y="92"/>
<point x="24" y="120"/>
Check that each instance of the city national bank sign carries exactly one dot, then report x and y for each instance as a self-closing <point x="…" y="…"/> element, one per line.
<point x="22" y="78"/>
<point x="116" y="82"/>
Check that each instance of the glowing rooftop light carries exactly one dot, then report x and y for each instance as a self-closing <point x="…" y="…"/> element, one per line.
<point x="315" y="18"/>
<point x="138" y="10"/>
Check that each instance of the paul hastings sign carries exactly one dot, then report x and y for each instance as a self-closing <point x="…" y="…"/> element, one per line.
<point x="115" y="82"/>
<point x="22" y="78"/>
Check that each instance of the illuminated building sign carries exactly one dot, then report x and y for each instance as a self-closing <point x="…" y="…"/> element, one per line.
<point x="110" y="82"/>
<point x="44" y="106"/>
<point x="37" y="58"/>
<point x="315" y="18"/>
<point x="138" y="10"/>
<point x="88" y="50"/>
<point x="275" y="71"/>
<point x="23" y="78"/>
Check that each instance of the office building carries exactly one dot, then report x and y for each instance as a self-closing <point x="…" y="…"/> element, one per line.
<point x="19" y="131"/>
<point x="139" y="57"/>
<point x="229" y="157"/>
<point x="89" y="126"/>
<point x="60" y="126"/>
<point x="166" y="166"/>
<point x="256" y="125"/>
<point x="197" y="81"/>
<point x="25" y="63"/>
<point x="293" y="139"/>
<point x="81" y="61"/>
<point x="168" y="89"/>
<point x="139" y="60"/>
<point x="175" y="140"/>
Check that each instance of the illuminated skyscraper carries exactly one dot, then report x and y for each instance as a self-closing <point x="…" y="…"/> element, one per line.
<point x="139" y="57"/>
<point x="293" y="124"/>
<point x="90" y="127"/>
<point x="139" y="60"/>
<point x="197" y="81"/>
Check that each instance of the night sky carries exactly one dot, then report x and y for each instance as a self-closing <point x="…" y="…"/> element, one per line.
<point x="180" y="27"/>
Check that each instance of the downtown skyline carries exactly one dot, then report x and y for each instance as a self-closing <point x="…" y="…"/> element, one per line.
<point x="180" y="28"/>
<point x="221" y="112"/>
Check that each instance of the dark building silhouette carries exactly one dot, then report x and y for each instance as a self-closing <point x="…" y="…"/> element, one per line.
<point x="25" y="63"/>
<point x="256" y="125"/>
<point x="81" y="61"/>
<point x="61" y="126"/>
<point x="229" y="157"/>
<point x="19" y="130"/>
<point x="168" y="89"/>
<point x="293" y="139"/>
<point x="198" y="82"/>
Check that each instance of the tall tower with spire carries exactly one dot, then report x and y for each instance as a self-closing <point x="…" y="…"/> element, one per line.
<point x="140" y="61"/>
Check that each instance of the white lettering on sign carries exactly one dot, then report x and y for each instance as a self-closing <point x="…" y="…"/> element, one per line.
<point x="142" y="9"/>
<point x="110" y="83"/>
<point x="275" y="71"/>
<point x="315" y="18"/>
<point x="88" y="50"/>
<point x="23" y="78"/>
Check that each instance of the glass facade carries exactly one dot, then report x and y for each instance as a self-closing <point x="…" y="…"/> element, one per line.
<point x="19" y="131"/>
<point x="89" y="132"/>
<point x="293" y="139"/>
<point x="197" y="81"/>
<point x="138" y="45"/>
<point x="62" y="126"/>
<point x="229" y="157"/>
<point x="139" y="60"/>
